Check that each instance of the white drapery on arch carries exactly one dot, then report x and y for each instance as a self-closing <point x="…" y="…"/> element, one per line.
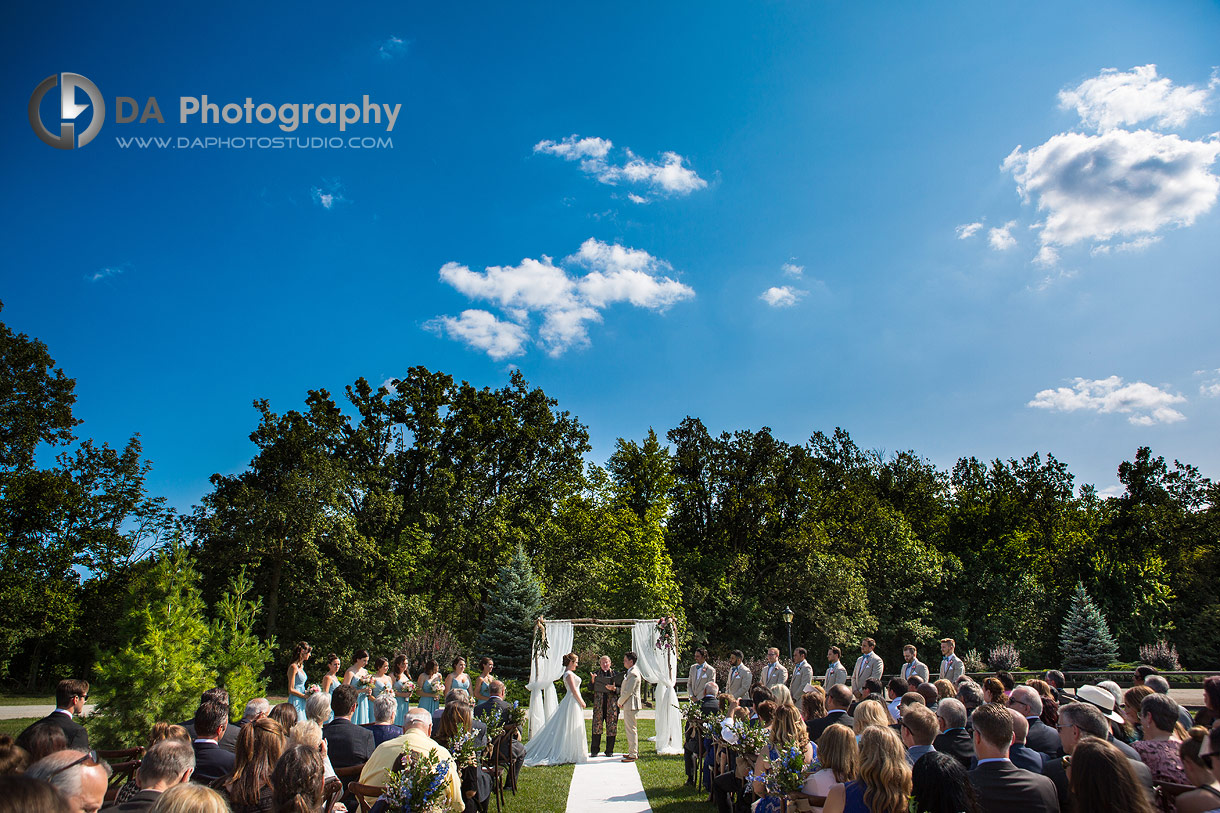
<point x="545" y="670"/>
<point x="660" y="667"/>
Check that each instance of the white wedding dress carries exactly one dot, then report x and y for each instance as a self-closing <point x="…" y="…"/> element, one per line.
<point x="561" y="740"/>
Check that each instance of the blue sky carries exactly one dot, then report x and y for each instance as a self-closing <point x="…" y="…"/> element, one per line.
<point x="713" y="144"/>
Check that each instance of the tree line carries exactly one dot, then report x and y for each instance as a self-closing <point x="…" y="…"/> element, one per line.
<point x="392" y="511"/>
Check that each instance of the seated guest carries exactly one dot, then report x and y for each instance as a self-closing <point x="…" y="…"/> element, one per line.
<point x="1103" y="701"/>
<point x="905" y="702"/>
<point x="166" y="763"/>
<point x="1008" y="680"/>
<point x="1206" y="796"/>
<point x="838" y="700"/>
<point x="953" y="739"/>
<point x="1058" y="684"/>
<point x="710" y="704"/>
<point x="1050" y="706"/>
<point x="81" y="779"/>
<point x="1160" y="685"/>
<point x="1209" y="751"/>
<point x="512" y="750"/>
<point x="1021" y="754"/>
<point x="883" y="784"/>
<point x="919" y="729"/>
<point x="229" y="740"/>
<point x="693" y="736"/>
<point x="870" y="689"/>
<point x="813" y="704"/>
<point x="1159" y="747"/>
<point x="24" y="794"/>
<point x="1102" y="780"/>
<point x="160" y="731"/>
<point x="259" y="746"/>
<point x="309" y="734"/>
<point x="971" y="696"/>
<point x="298" y="779"/>
<point x="347" y="744"/>
<point x="759" y="694"/>
<point x="190" y="798"/>
<point x="765" y="712"/>
<point x="993" y="691"/>
<point x="1076" y="721"/>
<point x="13" y="758"/>
<point x="286" y="715"/>
<point x="1042" y="738"/>
<point x="783" y="697"/>
<point x="1141" y="672"/>
<point x="1003" y="787"/>
<point x="417" y="738"/>
<point x="944" y="689"/>
<point x="839" y="756"/>
<point x="456" y="718"/>
<point x="930" y="695"/>
<point x="1115" y="691"/>
<point x="317" y="708"/>
<point x="211" y="761"/>
<point x="41" y="740"/>
<point x="1210" y="712"/>
<point x="939" y="784"/>
<point x="70" y="697"/>
<point x="1133" y="698"/>
<point x="895" y="689"/>
<point x="385" y="707"/>
<point x="256" y="709"/>
<point x="787" y="731"/>
<point x="458" y="694"/>
<point x="913" y="682"/>
<point x="870" y="713"/>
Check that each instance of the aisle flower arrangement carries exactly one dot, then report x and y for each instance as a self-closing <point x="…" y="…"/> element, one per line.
<point x="418" y="787"/>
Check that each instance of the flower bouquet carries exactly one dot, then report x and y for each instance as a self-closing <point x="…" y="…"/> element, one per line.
<point x="494" y="722"/>
<point x="752" y="739"/>
<point x="418" y="786"/>
<point x="667" y="634"/>
<point x="517" y="716"/>
<point x="406" y="686"/>
<point x="313" y="688"/>
<point x="465" y="748"/>
<point x="787" y="774"/>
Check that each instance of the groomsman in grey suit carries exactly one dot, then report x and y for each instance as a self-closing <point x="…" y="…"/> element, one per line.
<point x="701" y="673"/>
<point x="951" y="666"/>
<point x="868" y="665"/>
<point x="774" y="673"/>
<point x="913" y="665"/>
<point x="836" y="673"/>
<point x="740" y="677"/>
<point x="629" y="702"/>
<point x="802" y="675"/>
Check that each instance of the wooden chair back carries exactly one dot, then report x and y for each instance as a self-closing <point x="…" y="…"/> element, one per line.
<point x="331" y="792"/>
<point x="366" y="795"/>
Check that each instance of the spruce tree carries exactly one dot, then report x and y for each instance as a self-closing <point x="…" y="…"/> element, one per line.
<point x="512" y="607"/>
<point x="236" y="653"/>
<point x="1085" y="641"/>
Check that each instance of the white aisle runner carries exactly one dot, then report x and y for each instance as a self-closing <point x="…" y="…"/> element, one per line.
<point x="607" y="785"/>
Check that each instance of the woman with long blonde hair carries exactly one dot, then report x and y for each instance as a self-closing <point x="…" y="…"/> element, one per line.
<point x="787" y="731"/>
<point x="884" y="781"/>
<point x="869" y="714"/>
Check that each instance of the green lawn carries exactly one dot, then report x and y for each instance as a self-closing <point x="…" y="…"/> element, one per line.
<point x="545" y="790"/>
<point x="27" y="700"/>
<point x="15" y="727"/>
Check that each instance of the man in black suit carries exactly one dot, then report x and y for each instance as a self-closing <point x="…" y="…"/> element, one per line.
<point x="1077" y="721"/>
<point x="838" y="700"/>
<point x="513" y="751"/>
<point x="1042" y="738"/>
<point x="953" y="739"/>
<point x="347" y="744"/>
<point x="1001" y="786"/>
<point x="165" y="764"/>
<point x="70" y="697"/>
<point x="229" y="740"/>
<point x="211" y="761"/>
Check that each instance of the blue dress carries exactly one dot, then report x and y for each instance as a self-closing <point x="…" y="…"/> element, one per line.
<point x="436" y="685"/>
<point x="769" y="804"/>
<point x="484" y="690"/>
<point x="362" y="714"/>
<point x="462" y="682"/>
<point x="853" y="801"/>
<point x="298" y="683"/>
<point x="404" y="700"/>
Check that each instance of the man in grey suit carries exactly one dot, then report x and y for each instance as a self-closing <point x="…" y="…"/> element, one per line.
<point x="629" y="702"/>
<point x="740" y="678"/>
<point x="774" y="673"/>
<point x="913" y="665"/>
<point x="802" y="675"/>
<point x="701" y="673"/>
<point x="836" y="673"/>
<point x="868" y="665"/>
<point x="951" y="666"/>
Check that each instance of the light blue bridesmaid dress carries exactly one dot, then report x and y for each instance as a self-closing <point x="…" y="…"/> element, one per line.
<point x="484" y="690"/>
<point x="362" y="714"/>
<point x="462" y="682"/>
<point x="298" y="683"/>
<point x="404" y="700"/>
<point x="436" y="685"/>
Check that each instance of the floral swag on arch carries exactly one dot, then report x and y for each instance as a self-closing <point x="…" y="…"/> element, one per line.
<point x="654" y="641"/>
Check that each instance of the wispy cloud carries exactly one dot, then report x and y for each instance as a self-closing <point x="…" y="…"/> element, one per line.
<point x="668" y="177"/>
<point x="1144" y="404"/>
<point x="968" y="230"/>
<point x="783" y="296"/>
<point x="1210" y="388"/>
<point x="1001" y="238"/>
<point x="564" y="300"/>
<point x="1115" y="98"/>
<point x="392" y="48"/>
<point x="328" y="194"/>
<point x="792" y="269"/>
<point x="105" y="273"/>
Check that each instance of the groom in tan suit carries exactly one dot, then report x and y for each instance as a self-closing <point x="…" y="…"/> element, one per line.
<point x="629" y="702"/>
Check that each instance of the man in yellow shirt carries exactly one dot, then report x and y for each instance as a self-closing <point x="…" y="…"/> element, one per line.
<point x="417" y="737"/>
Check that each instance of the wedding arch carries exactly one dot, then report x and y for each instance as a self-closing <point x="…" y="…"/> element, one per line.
<point x="553" y="640"/>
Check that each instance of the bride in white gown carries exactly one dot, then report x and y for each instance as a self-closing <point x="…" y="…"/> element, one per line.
<point x="561" y="739"/>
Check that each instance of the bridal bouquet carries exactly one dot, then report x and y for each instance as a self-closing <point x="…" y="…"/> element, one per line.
<point x="313" y="688"/>
<point x="667" y="634"/>
<point x="419" y="786"/>
<point x="406" y="685"/>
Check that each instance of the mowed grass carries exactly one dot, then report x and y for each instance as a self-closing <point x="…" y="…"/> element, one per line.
<point x="27" y="700"/>
<point x="545" y="790"/>
<point x="16" y="726"/>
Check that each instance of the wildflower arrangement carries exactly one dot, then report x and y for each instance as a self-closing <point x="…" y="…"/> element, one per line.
<point x="787" y="774"/>
<point x="465" y="749"/>
<point x="494" y="722"/>
<point x="667" y="634"/>
<point x="752" y="739"/>
<point x="418" y="786"/>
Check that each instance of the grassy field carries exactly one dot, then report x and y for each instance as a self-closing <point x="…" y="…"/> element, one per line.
<point x="27" y="700"/>
<point x="15" y="727"/>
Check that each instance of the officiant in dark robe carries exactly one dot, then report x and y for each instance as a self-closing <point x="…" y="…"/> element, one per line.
<point x="606" y="685"/>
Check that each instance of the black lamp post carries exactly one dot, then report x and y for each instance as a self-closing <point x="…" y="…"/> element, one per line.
<point x="787" y="616"/>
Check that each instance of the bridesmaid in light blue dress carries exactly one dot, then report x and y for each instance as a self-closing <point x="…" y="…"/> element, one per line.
<point x="402" y="689"/>
<point x="382" y="682"/>
<point x="482" y="682"/>
<point x="331" y="679"/>
<point x="297" y="678"/>
<point x="358" y="676"/>
<point x="431" y="686"/>
<point x="457" y="679"/>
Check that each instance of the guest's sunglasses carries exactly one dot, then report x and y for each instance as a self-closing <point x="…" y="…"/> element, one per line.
<point x="89" y="757"/>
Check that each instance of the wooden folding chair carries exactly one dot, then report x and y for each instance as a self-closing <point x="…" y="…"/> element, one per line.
<point x="366" y="795"/>
<point x="331" y="792"/>
<point x="123" y="772"/>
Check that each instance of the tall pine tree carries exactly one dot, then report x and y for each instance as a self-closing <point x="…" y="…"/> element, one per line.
<point x="1085" y="641"/>
<point x="512" y="608"/>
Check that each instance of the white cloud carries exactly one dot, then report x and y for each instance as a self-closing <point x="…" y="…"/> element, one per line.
<point x="1111" y="491"/>
<point x="967" y="230"/>
<point x="105" y="273"/>
<point x="389" y="386"/>
<point x="1001" y="238"/>
<point x="1144" y="404"/>
<point x="669" y="176"/>
<point x="566" y="303"/>
<point x="634" y="198"/>
<point x="1211" y="387"/>
<point x="327" y="195"/>
<point x="1119" y="183"/>
<point x="1131" y="246"/>
<point x="392" y="48"/>
<point x="1047" y="257"/>
<point x="783" y="296"/>
<point x="1115" y="98"/>
<point x="792" y="269"/>
<point x="483" y="331"/>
